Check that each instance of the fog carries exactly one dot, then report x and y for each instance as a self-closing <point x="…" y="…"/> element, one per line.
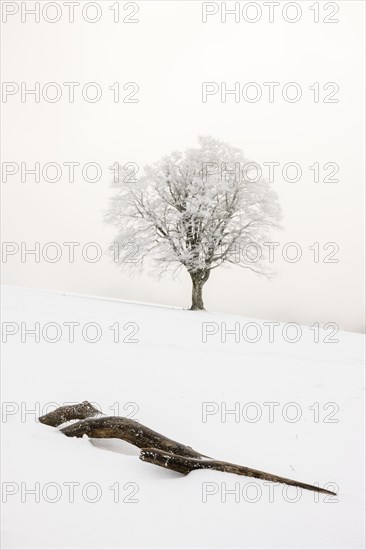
<point x="169" y="53"/>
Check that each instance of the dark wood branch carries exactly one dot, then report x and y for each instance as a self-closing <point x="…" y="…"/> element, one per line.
<point x="69" y="412"/>
<point x="155" y="447"/>
<point x="185" y="465"/>
<point x="129" y="430"/>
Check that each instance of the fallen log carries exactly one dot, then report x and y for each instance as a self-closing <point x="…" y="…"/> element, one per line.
<point x="155" y="447"/>
<point x="185" y="465"/>
<point x="69" y="412"/>
<point x="129" y="430"/>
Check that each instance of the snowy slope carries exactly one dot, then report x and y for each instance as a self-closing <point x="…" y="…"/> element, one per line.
<point x="163" y="380"/>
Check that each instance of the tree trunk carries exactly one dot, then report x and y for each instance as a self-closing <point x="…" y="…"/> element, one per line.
<point x="199" y="278"/>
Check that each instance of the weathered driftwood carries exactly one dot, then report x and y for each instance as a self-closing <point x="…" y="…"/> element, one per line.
<point x="69" y="412"/>
<point x="129" y="430"/>
<point x="155" y="447"/>
<point x="184" y="465"/>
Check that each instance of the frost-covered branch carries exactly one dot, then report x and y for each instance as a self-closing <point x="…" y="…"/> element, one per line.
<point x="195" y="210"/>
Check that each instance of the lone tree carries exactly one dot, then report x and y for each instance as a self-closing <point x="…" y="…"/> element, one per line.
<point x="195" y="209"/>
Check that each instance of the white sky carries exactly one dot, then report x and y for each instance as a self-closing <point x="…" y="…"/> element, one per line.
<point x="169" y="53"/>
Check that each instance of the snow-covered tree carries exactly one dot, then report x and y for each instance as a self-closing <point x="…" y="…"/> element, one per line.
<point x="197" y="210"/>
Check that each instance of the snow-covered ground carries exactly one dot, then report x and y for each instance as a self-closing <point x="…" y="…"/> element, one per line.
<point x="306" y="397"/>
